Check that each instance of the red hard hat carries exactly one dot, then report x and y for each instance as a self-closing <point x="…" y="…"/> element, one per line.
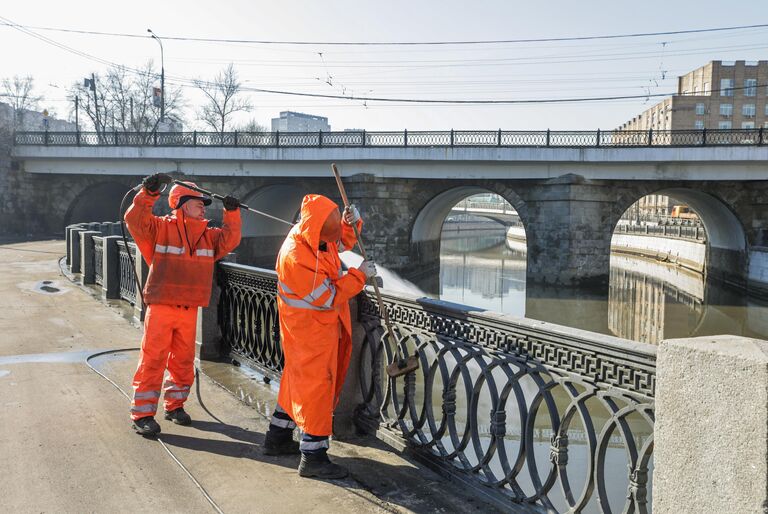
<point x="180" y="194"/>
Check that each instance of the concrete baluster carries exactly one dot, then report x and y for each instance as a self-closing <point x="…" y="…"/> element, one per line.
<point x="87" y="251"/>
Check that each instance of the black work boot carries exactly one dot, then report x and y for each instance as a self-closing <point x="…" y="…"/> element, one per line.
<point x="280" y="442"/>
<point x="318" y="465"/>
<point x="178" y="416"/>
<point x="146" y="426"/>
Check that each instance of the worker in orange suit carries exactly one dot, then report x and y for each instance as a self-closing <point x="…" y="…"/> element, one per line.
<point x="181" y="250"/>
<point x="315" y="331"/>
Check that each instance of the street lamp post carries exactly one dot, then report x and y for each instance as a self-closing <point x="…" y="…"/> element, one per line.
<point x="162" y="75"/>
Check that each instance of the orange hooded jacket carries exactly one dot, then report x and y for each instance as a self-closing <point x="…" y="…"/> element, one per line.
<point x="315" y="325"/>
<point x="180" y="251"/>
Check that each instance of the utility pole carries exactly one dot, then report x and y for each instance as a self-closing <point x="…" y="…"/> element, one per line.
<point x="162" y="75"/>
<point x="95" y="100"/>
<point x="77" y="114"/>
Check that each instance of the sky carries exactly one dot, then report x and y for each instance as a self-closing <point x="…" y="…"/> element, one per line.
<point x="508" y="71"/>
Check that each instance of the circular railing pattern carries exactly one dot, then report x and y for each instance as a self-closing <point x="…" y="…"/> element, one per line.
<point x="531" y="433"/>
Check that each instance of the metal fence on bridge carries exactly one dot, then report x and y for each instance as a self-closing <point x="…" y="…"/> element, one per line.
<point x="487" y="387"/>
<point x="405" y="138"/>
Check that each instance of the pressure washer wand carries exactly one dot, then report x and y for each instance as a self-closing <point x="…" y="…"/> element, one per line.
<point x="219" y="197"/>
<point x="400" y="366"/>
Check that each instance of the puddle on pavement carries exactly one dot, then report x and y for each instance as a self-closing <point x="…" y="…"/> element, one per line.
<point x="50" y="287"/>
<point x="59" y="357"/>
<point x="4" y="373"/>
<point x="246" y="384"/>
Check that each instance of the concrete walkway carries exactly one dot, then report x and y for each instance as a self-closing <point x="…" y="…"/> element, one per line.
<point x="66" y="443"/>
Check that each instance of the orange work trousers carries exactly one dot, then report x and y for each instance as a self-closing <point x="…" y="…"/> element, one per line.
<point x="168" y="343"/>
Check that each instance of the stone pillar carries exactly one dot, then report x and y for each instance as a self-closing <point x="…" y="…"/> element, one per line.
<point x="142" y="270"/>
<point x="351" y="393"/>
<point x="208" y="339"/>
<point x="711" y="432"/>
<point x="74" y="249"/>
<point x="569" y="229"/>
<point x="110" y="289"/>
<point x="67" y="237"/>
<point x="87" y="250"/>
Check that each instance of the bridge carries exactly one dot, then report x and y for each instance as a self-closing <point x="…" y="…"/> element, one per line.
<point x="569" y="188"/>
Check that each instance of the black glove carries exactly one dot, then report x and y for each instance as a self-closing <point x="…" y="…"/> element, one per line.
<point x="230" y="203"/>
<point x="152" y="183"/>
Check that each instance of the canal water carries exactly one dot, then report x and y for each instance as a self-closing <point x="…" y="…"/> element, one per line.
<point x="648" y="301"/>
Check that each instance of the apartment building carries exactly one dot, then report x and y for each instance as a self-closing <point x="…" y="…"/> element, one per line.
<point x="290" y="121"/>
<point x="719" y="95"/>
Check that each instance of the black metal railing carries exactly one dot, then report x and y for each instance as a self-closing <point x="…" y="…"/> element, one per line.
<point x="690" y="232"/>
<point x="98" y="261"/>
<point x="127" y="272"/>
<point x="535" y="413"/>
<point x="450" y="138"/>
<point x="248" y="316"/>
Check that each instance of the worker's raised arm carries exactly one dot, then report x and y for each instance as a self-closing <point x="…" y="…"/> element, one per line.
<point x="231" y="228"/>
<point x="304" y="287"/>
<point x="141" y="223"/>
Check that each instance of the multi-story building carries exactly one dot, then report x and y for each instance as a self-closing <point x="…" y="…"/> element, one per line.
<point x="290" y="121"/>
<point x="719" y="95"/>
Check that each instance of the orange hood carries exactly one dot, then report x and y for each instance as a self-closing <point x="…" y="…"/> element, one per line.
<point x="315" y="209"/>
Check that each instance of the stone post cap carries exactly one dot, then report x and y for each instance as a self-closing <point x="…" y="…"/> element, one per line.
<point x="745" y="348"/>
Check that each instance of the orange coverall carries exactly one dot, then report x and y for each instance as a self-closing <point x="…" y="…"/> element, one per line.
<point x="315" y="326"/>
<point x="181" y="253"/>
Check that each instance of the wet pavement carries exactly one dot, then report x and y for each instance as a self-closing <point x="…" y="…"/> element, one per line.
<point x="65" y="438"/>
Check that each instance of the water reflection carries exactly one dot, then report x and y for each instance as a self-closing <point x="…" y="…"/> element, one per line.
<point x="647" y="301"/>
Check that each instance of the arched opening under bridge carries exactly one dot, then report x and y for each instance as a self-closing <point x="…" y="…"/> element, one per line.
<point x="99" y="202"/>
<point x="471" y="248"/>
<point x="263" y="236"/>
<point x="672" y="253"/>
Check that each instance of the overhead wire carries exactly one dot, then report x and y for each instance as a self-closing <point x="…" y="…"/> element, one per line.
<point x="404" y="43"/>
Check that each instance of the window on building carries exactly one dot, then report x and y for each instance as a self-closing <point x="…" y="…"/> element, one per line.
<point x="766" y="109"/>
<point x="747" y="124"/>
<point x="748" y="110"/>
<point x="698" y="124"/>
<point x="726" y="110"/>
<point x="700" y="109"/>
<point x="726" y="87"/>
<point x="724" y="125"/>
<point x="706" y="88"/>
<point x="750" y="87"/>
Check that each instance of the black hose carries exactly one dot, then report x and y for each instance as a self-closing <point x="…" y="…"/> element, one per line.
<point x="159" y="440"/>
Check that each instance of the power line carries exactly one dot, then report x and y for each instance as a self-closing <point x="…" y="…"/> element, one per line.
<point x="186" y="82"/>
<point x="395" y="43"/>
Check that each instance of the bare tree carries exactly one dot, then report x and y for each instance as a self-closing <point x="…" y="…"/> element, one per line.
<point x="19" y="93"/>
<point x="223" y="99"/>
<point x="122" y="100"/>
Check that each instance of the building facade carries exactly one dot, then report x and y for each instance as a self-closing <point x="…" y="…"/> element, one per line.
<point x="290" y="121"/>
<point x="719" y="95"/>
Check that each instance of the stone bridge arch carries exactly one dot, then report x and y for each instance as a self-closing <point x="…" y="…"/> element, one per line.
<point x="727" y="238"/>
<point x="427" y="225"/>
<point x="95" y="202"/>
<point x="262" y="236"/>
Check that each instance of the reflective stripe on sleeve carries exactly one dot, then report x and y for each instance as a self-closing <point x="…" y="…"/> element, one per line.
<point x="306" y="302"/>
<point x="169" y="249"/>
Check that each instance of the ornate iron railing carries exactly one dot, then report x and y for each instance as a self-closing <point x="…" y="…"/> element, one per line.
<point x="98" y="262"/>
<point x="362" y="138"/>
<point x="693" y="233"/>
<point x="248" y="316"/>
<point x="531" y="412"/>
<point x="127" y="272"/>
<point x="536" y="412"/>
